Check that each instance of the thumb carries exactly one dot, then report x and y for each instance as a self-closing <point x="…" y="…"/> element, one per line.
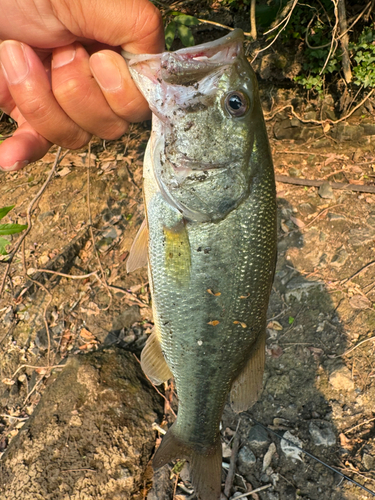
<point x="136" y="25"/>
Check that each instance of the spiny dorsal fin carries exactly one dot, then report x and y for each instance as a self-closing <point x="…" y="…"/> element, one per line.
<point x="138" y="255"/>
<point x="247" y="386"/>
<point x="153" y="362"/>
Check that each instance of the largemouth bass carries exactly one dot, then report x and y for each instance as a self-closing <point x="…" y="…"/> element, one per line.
<point x="211" y="233"/>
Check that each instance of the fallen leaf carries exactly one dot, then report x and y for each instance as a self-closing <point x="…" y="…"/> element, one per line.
<point x="359" y="302"/>
<point x="215" y="322"/>
<point x="297" y="222"/>
<point x="86" y="335"/>
<point x="274" y="325"/>
<point x="65" y="171"/>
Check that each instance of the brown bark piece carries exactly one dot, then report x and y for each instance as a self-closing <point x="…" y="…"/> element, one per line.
<point x="90" y="436"/>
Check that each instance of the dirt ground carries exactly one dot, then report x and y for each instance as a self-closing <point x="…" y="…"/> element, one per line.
<point x="319" y="381"/>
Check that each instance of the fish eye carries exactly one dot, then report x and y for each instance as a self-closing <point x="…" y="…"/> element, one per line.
<point x="236" y="103"/>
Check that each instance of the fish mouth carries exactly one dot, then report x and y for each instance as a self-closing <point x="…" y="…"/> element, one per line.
<point x="188" y="65"/>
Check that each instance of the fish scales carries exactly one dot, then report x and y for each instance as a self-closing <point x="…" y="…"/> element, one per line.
<point x="211" y="215"/>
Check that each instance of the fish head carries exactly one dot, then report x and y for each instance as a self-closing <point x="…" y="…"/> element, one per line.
<point x="206" y="112"/>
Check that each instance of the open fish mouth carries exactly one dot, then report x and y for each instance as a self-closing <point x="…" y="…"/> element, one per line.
<point x="187" y="66"/>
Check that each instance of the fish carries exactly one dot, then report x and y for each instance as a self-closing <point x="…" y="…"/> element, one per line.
<point x="209" y="241"/>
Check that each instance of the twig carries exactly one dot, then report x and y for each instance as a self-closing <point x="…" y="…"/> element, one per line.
<point x="71" y="276"/>
<point x="48" y="293"/>
<point x="341" y="10"/>
<point x="252" y="492"/>
<point x="33" y="389"/>
<point x="354" y="347"/>
<point x="334" y="41"/>
<point x="345" y="186"/>
<point x="16" y="418"/>
<point x="206" y="21"/>
<point x="232" y="464"/>
<point x="253" y="25"/>
<point x="360" y="425"/>
<point x="364" y="268"/>
<point x="36" y="368"/>
<point x="128" y="295"/>
<point x="78" y="470"/>
<point x="320" y="122"/>
<point x="286" y="20"/>
<point x="29" y="210"/>
<point x="103" y="280"/>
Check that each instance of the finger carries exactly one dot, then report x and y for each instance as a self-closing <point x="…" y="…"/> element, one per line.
<point x="113" y="77"/>
<point x="136" y="25"/>
<point x="25" y="146"/>
<point x="31" y="91"/>
<point x="79" y="95"/>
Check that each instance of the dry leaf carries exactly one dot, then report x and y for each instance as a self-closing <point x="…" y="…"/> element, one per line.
<point x="275" y="325"/>
<point x="297" y="222"/>
<point x="8" y="381"/>
<point x="86" y="335"/>
<point x="215" y="322"/>
<point x="326" y="128"/>
<point x="359" y="302"/>
<point x="65" y="171"/>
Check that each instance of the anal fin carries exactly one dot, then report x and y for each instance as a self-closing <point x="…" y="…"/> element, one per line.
<point x="153" y="362"/>
<point x="138" y="255"/>
<point x="247" y="387"/>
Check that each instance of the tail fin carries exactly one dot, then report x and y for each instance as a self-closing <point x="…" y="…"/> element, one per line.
<point x="205" y="466"/>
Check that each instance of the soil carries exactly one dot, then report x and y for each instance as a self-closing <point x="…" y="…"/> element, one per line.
<point x="320" y="370"/>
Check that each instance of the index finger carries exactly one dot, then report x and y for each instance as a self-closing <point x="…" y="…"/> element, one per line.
<point x="136" y="25"/>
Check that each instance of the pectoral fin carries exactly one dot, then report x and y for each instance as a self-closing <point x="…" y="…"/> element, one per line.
<point x="247" y="386"/>
<point x="153" y="362"/>
<point x="138" y="253"/>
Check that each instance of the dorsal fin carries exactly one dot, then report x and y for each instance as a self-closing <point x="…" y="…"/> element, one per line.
<point x="138" y="255"/>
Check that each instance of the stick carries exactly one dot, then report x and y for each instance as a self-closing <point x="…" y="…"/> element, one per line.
<point x="232" y="465"/>
<point x="361" y="188"/>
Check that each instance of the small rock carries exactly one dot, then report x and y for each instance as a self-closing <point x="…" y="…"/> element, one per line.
<point x="322" y="433"/>
<point x="287" y="446"/>
<point x="332" y="216"/>
<point x="258" y="437"/>
<point x="368" y="461"/>
<point x="245" y="460"/>
<point x="362" y="236"/>
<point x="325" y="191"/>
<point x="346" y="132"/>
<point x="45" y="215"/>
<point x="340" y="257"/>
<point x="273" y="495"/>
<point x="294" y="172"/>
<point x="127" y="318"/>
<point x="268" y="456"/>
<point x="341" y="379"/>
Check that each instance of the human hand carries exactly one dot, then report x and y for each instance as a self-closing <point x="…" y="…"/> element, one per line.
<point x="51" y="86"/>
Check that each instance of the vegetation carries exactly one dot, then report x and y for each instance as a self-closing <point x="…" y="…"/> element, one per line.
<point x="6" y="229"/>
<point x="331" y="43"/>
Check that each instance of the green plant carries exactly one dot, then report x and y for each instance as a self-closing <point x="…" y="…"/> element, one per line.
<point x="6" y="229"/>
<point x="363" y="53"/>
<point x="180" y="26"/>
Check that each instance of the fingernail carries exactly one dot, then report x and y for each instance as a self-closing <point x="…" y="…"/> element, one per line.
<point x="16" y="166"/>
<point x="63" y="56"/>
<point x="14" y="62"/>
<point x="105" y="72"/>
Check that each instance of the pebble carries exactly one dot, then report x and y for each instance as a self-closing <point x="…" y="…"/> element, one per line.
<point x="245" y="460"/>
<point x="322" y="433"/>
<point x="341" y="379"/>
<point x="332" y="216"/>
<point x="326" y="191"/>
<point x="368" y="461"/>
<point x="287" y="446"/>
<point x="258" y="437"/>
<point x="340" y="257"/>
